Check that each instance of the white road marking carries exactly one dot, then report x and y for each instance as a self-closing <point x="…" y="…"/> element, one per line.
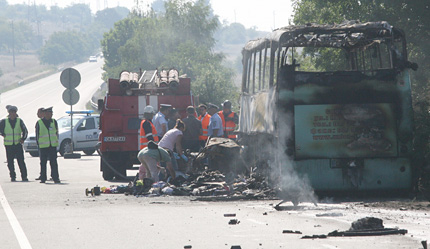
<point x="19" y="233"/>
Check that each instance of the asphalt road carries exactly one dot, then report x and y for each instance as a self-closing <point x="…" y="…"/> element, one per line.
<point x="35" y="215"/>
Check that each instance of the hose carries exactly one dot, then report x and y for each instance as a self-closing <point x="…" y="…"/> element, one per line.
<point x="110" y="166"/>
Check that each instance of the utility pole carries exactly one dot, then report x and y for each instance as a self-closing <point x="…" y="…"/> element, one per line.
<point x="13" y="44"/>
<point x="274" y="20"/>
<point x="37" y="19"/>
<point x="234" y="16"/>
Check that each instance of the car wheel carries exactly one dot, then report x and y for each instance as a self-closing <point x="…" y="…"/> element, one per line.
<point x="34" y="153"/>
<point x="89" y="152"/>
<point x="66" y="146"/>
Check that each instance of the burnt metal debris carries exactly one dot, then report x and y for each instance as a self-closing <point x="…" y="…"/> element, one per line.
<point x="368" y="226"/>
<point x="291" y="231"/>
<point x="233" y="222"/>
<point x="227" y="177"/>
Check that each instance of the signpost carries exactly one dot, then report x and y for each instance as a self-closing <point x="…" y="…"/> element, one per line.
<point x="70" y="78"/>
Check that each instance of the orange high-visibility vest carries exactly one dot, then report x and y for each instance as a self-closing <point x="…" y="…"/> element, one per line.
<point x="144" y="137"/>
<point x="228" y="126"/>
<point x="205" y="124"/>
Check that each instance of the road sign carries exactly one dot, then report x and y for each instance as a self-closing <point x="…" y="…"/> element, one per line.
<point x="70" y="96"/>
<point x="70" y="78"/>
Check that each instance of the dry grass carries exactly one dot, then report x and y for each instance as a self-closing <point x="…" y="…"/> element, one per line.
<point x="27" y="65"/>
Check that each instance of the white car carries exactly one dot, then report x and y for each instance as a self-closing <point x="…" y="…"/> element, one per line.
<point x="85" y="134"/>
<point x="92" y="59"/>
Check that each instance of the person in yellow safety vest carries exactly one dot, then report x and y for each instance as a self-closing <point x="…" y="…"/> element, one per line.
<point x="229" y="120"/>
<point x="14" y="132"/>
<point x="47" y="139"/>
<point x="40" y="114"/>
<point x="147" y="128"/>
<point x="204" y="117"/>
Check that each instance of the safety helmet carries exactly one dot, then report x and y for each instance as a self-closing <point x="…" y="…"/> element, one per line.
<point x="148" y="109"/>
<point x="227" y="104"/>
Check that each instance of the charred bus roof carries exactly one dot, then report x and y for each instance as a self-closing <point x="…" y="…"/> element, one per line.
<point x="348" y="35"/>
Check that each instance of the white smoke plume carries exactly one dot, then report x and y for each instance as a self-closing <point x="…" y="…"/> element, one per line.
<point x="290" y="185"/>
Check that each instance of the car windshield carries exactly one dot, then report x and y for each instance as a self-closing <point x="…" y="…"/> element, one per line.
<point x="64" y="122"/>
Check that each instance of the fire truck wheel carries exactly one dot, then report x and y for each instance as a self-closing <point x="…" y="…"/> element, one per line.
<point x="34" y="153"/>
<point x="89" y="152"/>
<point x="122" y="171"/>
<point x="108" y="174"/>
<point x="65" y="146"/>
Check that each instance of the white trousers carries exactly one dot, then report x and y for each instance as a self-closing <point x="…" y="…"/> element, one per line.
<point x="148" y="164"/>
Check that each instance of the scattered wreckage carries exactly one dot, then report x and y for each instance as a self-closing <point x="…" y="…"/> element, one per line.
<point x="368" y="226"/>
<point x="217" y="173"/>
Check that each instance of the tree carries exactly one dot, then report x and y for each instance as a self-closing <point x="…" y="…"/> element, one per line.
<point x="182" y="38"/>
<point x="109" y="16"/>
<point x="64" y="46"/>
<point x="22" y="34"/>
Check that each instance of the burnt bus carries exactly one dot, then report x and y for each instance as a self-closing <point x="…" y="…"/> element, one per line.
<point x="335" y="100"/>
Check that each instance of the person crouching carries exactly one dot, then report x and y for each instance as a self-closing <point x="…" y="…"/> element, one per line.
<point x="149" y="157"/>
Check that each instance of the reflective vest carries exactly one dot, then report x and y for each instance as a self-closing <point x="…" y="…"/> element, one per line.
<point x="205" y="124"/>
<point x="47" y="137"/>
<point x="144" y="137"/>
<point x="229" y="126"/>
<point x="12" y="136"/>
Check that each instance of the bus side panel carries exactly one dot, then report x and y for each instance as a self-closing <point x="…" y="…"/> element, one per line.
<point x="381" y="174"/>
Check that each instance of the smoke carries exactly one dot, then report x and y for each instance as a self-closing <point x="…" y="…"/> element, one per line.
<point x="290" y="185"/>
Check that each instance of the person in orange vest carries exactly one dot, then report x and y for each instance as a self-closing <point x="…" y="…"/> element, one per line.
<point x="204" y="117"/>
<point x="147" y="128"/>
<point x="229" y="120"/>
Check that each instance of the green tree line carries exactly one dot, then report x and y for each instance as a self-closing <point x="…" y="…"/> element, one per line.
<point x="181" y="37"/>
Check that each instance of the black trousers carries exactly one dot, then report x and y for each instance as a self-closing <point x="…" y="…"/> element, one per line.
<point x="12" y="152"/>
<point x="50" y="154"/>
<point x="192" y="145"/>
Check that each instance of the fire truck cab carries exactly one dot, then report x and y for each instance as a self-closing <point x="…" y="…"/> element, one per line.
<point x="122" y="113"/>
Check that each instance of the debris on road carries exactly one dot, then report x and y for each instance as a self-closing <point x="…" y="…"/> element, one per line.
<point x="233" y="222"/>
<point x="321" y="236"/>
<point x="94" y="191"/>
<point x="368" y="226"/>
<point x="329" y="215"/>
<point x="229" y="215"/>
<point x="291" y="231"/>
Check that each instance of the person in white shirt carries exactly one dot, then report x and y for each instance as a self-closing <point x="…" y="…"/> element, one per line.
<point x="215" y="128"/>
<point x="160" y="121"/>
<point x="172" y="140"/>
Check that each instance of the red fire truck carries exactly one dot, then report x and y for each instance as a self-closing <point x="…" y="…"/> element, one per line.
<point x="122" y="113"/>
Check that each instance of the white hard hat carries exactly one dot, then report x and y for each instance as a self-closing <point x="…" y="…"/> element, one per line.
<point x="148" y="109"/>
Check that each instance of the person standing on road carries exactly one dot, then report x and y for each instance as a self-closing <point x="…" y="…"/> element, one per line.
<point x="14" y="132"/>
<point x="40" y="115"/>
<point x="160" y="121"/>
<point x="47" y="139"/>
<point x="173" y="116"/>
<point x="204" y="118"/>
<point x="215" y="128"/>
<point x="147" y="128"/>
<point x="229" y="120"/>
<point x="193" y="131"/>
<point x="149" y="157"/>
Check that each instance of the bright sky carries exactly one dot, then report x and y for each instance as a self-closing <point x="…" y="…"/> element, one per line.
<point x="263" y="14"/>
